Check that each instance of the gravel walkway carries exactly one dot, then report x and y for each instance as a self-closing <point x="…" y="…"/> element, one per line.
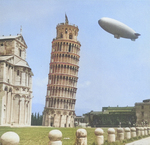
<point x="144" y="141"/>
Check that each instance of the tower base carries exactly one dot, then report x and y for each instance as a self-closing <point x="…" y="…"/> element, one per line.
<point x="58" y="118"/>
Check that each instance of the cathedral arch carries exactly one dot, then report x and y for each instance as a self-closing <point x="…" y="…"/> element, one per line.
<point x="24" y="96"/>
<point x="16" y="108"/>
<point x="6" y="88"/>
<point x="10" y="89"/>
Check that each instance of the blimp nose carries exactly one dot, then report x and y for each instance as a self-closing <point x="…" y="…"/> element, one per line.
<point x="101" y="22"/>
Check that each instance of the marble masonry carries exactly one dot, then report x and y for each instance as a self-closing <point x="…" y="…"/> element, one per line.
<point x="15" y="82"/>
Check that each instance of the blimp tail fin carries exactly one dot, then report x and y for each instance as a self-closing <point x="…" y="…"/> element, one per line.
<point x="137" y="34"/>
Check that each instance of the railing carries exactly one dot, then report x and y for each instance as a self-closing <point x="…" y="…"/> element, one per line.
<point x="55" y="136"/>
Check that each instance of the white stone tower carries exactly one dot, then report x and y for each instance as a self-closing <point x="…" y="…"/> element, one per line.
<point x="15" y="82"/>
<point x="59" y="108"/>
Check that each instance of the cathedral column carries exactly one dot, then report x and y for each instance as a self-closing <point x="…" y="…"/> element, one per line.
<point x="29" y="112"/>
<point x="11" y="116"/>
<point x="27" y="76"/>
<point x="25" y="112"/>
<point x="6" y="115"/>
<point x="20" y="111"/>
<point x="9" y="107"/>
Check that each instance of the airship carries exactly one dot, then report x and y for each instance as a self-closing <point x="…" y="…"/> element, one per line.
<point x="118" y="29"/>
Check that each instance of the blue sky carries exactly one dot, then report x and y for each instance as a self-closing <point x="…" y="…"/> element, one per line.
<point x="112" y="71"/>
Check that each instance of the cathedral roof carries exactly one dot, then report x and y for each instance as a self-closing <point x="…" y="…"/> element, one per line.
<point x="9" y="37"/>
<point x="5" y="57"/>
<point x="19" y="63"/>
<point x="22" y="63"/>
<point x="14" y="37"/>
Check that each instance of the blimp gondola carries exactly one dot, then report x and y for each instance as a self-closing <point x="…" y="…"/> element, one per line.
<point x="118" y="29"/>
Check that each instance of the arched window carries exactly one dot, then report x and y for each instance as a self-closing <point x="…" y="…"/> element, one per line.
<point x="66" y="30"/>
<point x="60" y="46"/>
<point x="10" y="90"/>
<point x="17" y="72"/>
<point x="61" y="36"/>
<point x="69" y="47"/>
<point x="6" y="88"/>
<point x="20" y="52"/>
<point x="70" y="36"/>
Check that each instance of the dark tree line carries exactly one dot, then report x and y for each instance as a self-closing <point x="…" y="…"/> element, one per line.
<point x="36" y="119"/>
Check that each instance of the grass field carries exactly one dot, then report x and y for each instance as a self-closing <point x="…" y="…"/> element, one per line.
<point x="39" y="135"/>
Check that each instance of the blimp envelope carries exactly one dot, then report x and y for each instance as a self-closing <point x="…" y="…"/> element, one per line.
<point x="118" y="29"/>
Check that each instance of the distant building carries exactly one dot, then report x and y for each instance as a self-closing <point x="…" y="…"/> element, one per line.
<point x="88" y="117"/>
<point x="60" y="100"/>
<point x="111" y="116"/>
<point x="15" y="82"/>
<point x="80" y="121"/>
<point x="143" y="112"/>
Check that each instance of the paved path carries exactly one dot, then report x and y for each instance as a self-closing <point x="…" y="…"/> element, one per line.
<point x="144" y="141"/>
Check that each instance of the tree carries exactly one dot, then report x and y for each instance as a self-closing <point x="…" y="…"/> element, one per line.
<point x="36" y="119"/>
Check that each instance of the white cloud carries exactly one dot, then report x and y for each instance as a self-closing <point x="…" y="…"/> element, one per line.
<point x="40" y="82"/>
<point x="84" y="84"/>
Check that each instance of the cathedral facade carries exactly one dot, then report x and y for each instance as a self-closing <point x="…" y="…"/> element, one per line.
<point x="15" y="82"/>
<point x="59" y="108"/>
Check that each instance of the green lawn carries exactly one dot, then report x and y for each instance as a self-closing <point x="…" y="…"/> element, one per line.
<point x="39" y="135"/>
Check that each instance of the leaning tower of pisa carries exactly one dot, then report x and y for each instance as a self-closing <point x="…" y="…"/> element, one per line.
<point x="59" y="108"/>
